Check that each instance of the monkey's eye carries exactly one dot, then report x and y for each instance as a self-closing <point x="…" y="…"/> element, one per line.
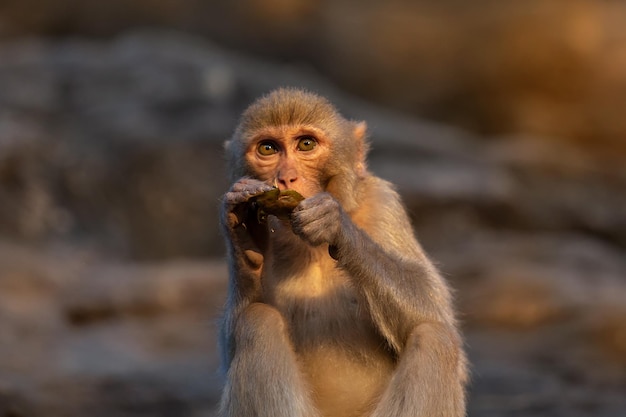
<point x="306" y="143"/>
<point x="267" y="148"/>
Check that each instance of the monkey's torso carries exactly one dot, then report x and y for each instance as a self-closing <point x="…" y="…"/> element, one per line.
<point x="302" y="337"/>
<point x="344" y="360"/>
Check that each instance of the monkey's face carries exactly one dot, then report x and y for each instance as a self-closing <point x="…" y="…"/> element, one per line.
<point x="289" y="157"/>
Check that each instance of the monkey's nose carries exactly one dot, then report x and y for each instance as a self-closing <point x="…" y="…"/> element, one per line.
<point x="286" y="175"/>
<point x="285" y="182"/>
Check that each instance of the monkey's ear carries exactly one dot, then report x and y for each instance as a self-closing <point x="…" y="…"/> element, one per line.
<point x="360" y="129"/>
<point x="360" y="134"/>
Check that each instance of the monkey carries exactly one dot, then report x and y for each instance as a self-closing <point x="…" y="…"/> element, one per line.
<point x="334" y="310"/>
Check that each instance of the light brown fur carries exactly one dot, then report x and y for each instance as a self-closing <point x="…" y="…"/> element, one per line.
<point x="369" y="331"/>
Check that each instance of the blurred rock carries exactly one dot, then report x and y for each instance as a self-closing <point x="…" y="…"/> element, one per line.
<point x="555" y="69"/>
<point x="532" y="280"/>
<point x="84" y="337"/>
<point x="119" y="144"/>
<point x="121" y="140"/>
<point x="110" y="292"/>
<point x="110" y="179"/>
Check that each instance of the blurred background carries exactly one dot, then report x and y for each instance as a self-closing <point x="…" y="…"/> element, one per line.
<point x="502" y="123"/>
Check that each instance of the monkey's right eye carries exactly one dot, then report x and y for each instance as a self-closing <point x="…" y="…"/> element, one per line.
<point x="267" y="148"/>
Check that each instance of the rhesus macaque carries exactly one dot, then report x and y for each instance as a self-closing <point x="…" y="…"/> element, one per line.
<point x="334" y="310"/>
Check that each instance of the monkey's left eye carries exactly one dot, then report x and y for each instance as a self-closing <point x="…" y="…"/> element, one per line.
<point x="267" y="148"/>
<point x="307" y="143"/>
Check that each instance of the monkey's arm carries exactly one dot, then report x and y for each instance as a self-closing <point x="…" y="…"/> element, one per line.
<point x="245" y="238"/>
<point x="400" y="285"/>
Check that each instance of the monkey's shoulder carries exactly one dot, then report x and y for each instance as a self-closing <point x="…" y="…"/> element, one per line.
<point x="379" y="202"/>
<point x="382" y="214"/>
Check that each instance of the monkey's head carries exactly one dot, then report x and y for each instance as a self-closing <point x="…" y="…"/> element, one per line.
<point x="297" y="140"/>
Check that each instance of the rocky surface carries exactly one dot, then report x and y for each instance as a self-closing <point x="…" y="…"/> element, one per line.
<point x="110" y="270"/>
<point x="554" y="68"/>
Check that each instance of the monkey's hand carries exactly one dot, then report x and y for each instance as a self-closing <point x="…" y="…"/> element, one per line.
<point x="235" y="207"/>
<point x="318" y="219"/>
<point x="240" y="222"/>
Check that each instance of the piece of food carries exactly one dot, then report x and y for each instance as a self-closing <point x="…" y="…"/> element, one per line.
<point x="277" y="203"/>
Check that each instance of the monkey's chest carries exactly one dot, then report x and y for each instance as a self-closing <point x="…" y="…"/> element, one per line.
<point x="319" y="305"/>
<point x="341" y="355"/>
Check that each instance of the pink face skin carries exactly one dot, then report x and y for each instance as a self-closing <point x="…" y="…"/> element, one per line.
<point x="288" y="157"/>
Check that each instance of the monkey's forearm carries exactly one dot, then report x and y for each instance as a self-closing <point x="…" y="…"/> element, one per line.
<point x="400" y="292"/>
<point x="243" y="289"/>
<point x="245" y="265"/>
<point x="245" y="238"/>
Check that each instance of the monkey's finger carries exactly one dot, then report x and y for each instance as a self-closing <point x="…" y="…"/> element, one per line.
<point x="242" y="192"/>
<point x="308" y="215"/>
<point x="249" y="181"/>
<point x="317" y="200"/>
<point x="316" y="232"/>
<point x="251" y="187"/>
<point x="330" y="212"/>
<point x="233" y="198"/>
